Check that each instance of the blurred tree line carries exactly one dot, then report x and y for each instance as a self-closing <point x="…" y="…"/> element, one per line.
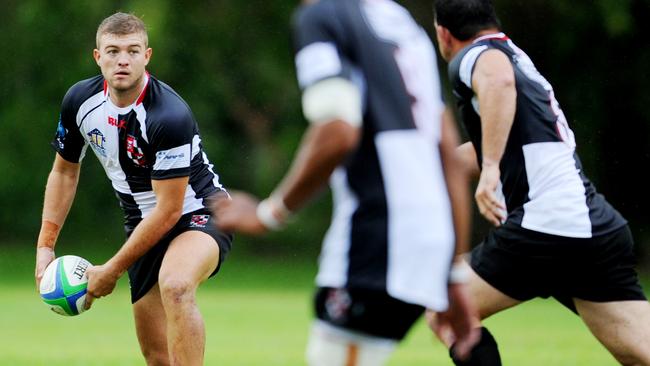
<point x="232" y="61"/>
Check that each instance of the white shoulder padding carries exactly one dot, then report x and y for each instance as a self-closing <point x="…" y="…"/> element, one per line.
<point x="333" y="99"/>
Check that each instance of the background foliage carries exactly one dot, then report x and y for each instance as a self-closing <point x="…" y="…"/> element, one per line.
<point x="232" y="62"/>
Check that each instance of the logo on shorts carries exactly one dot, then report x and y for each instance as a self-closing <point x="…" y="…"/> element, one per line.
<point x="199" y="220"/>
<point x="337" y="305"/>
<point x="134" y="152"/>
<point x="97" y="140"/>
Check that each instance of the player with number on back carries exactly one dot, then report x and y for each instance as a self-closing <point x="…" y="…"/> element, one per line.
<point x="380" y="134"/>
<point x="555" y="235"/>
<point x="146" y="138"/>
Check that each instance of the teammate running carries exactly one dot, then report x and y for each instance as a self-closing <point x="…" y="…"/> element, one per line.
<point x="555" y="235"/>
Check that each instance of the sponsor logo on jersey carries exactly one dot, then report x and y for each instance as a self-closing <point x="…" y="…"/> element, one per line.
<point x="121" y="124"/>
<point x="164" y="155"/>
<point x="60" y="133"/>
<point x="199" y="220"/>
<point x="97" y="140"/>
<point x="134" y="152"/>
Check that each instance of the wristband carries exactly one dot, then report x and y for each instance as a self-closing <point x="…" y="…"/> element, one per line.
<point x="459" y="274"/>
<point x="48" y="234"/>
<point x="272" y="213"/>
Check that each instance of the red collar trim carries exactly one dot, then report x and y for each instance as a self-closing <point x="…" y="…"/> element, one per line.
<point x="147" y="77"/>
<point x="144" y="90"/>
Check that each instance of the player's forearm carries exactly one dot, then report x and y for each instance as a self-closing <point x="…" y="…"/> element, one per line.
<point x="59" y="194"/>
<point x="145" y="235"/>
<point x="457" y="180"/>
<point x="460" y="206"/>
<point x="323" y="148"/>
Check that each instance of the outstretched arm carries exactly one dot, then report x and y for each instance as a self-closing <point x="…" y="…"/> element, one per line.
<point x="323" y="148"/>
<point x="333" y="107"/>
<point x="59" y="194"/>
<point x="493" y="82"/>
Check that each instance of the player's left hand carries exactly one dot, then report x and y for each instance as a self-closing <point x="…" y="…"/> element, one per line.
<point x="237" y="213"/>
<point x="101" y="282"/>
<point x="486" y="199"/>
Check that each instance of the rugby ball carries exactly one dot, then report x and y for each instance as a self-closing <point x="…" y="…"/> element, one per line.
<point x="64" y="284"/>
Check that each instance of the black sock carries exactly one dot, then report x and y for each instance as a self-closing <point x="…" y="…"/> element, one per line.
<point x="485" y="353"/>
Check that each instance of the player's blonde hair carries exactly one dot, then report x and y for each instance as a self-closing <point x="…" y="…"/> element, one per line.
<point x="122" y="24"/>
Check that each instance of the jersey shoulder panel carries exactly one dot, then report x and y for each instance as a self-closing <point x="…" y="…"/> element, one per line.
<point x="171" y="128"/>
<point x="462" y="66"/>
<point x="79" y="93"/>
<point x="68" y="141"/>
<point x="167" y="112"/>
<point x="311" y="23"/>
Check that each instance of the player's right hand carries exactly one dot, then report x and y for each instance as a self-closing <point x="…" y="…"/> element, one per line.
<point x="44" y="256"/>
<point x="459" y="324"/>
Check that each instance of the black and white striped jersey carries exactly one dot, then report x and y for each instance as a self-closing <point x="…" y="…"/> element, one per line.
<point x="542" y="181"/>
<point x="154" y="138"/>
<point x="391" y="227"/>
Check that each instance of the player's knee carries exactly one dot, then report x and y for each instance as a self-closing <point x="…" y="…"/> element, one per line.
<point x="176" y="290"/>
<point x="329" y="349"/>
<point x="639" y="357"/>
<point x="155" y="356"/>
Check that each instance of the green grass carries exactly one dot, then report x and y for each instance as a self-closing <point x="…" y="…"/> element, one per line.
<point x="257" y="312"/>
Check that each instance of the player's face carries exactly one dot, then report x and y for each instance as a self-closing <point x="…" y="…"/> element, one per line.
<point x="122" y="59"/>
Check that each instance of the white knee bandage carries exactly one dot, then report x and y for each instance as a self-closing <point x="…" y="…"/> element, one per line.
<point x="331" y="346"/>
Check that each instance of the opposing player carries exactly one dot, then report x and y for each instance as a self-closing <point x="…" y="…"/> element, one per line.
<point x="378" y="131"/>
<point x="148" y="142"/>
<point x="555" y="235"/>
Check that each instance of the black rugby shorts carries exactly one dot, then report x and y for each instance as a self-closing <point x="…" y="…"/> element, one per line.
<point x="143" y="274"/>
<point x="525" y="264"/>
<point x="371" y="312"/>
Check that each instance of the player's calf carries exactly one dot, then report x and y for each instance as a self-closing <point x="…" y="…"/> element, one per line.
<point x="485" y="353"/>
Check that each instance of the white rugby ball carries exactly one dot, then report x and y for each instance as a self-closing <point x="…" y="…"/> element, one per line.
<point x="64" y="284"/>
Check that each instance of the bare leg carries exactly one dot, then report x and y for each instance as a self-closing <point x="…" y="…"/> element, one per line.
<point x="150" y="326"/>
<point x="190" y="259"/>
<point x="623" y="327"/>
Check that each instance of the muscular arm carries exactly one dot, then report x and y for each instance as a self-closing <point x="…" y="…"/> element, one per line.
<point x="323" y="148"/>
<point x="59" y="194"/>
<point x="170" y="195"/>
<point x="493" y="82"/>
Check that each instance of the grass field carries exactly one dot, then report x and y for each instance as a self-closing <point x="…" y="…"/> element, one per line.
<point x="257" y="313"/>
